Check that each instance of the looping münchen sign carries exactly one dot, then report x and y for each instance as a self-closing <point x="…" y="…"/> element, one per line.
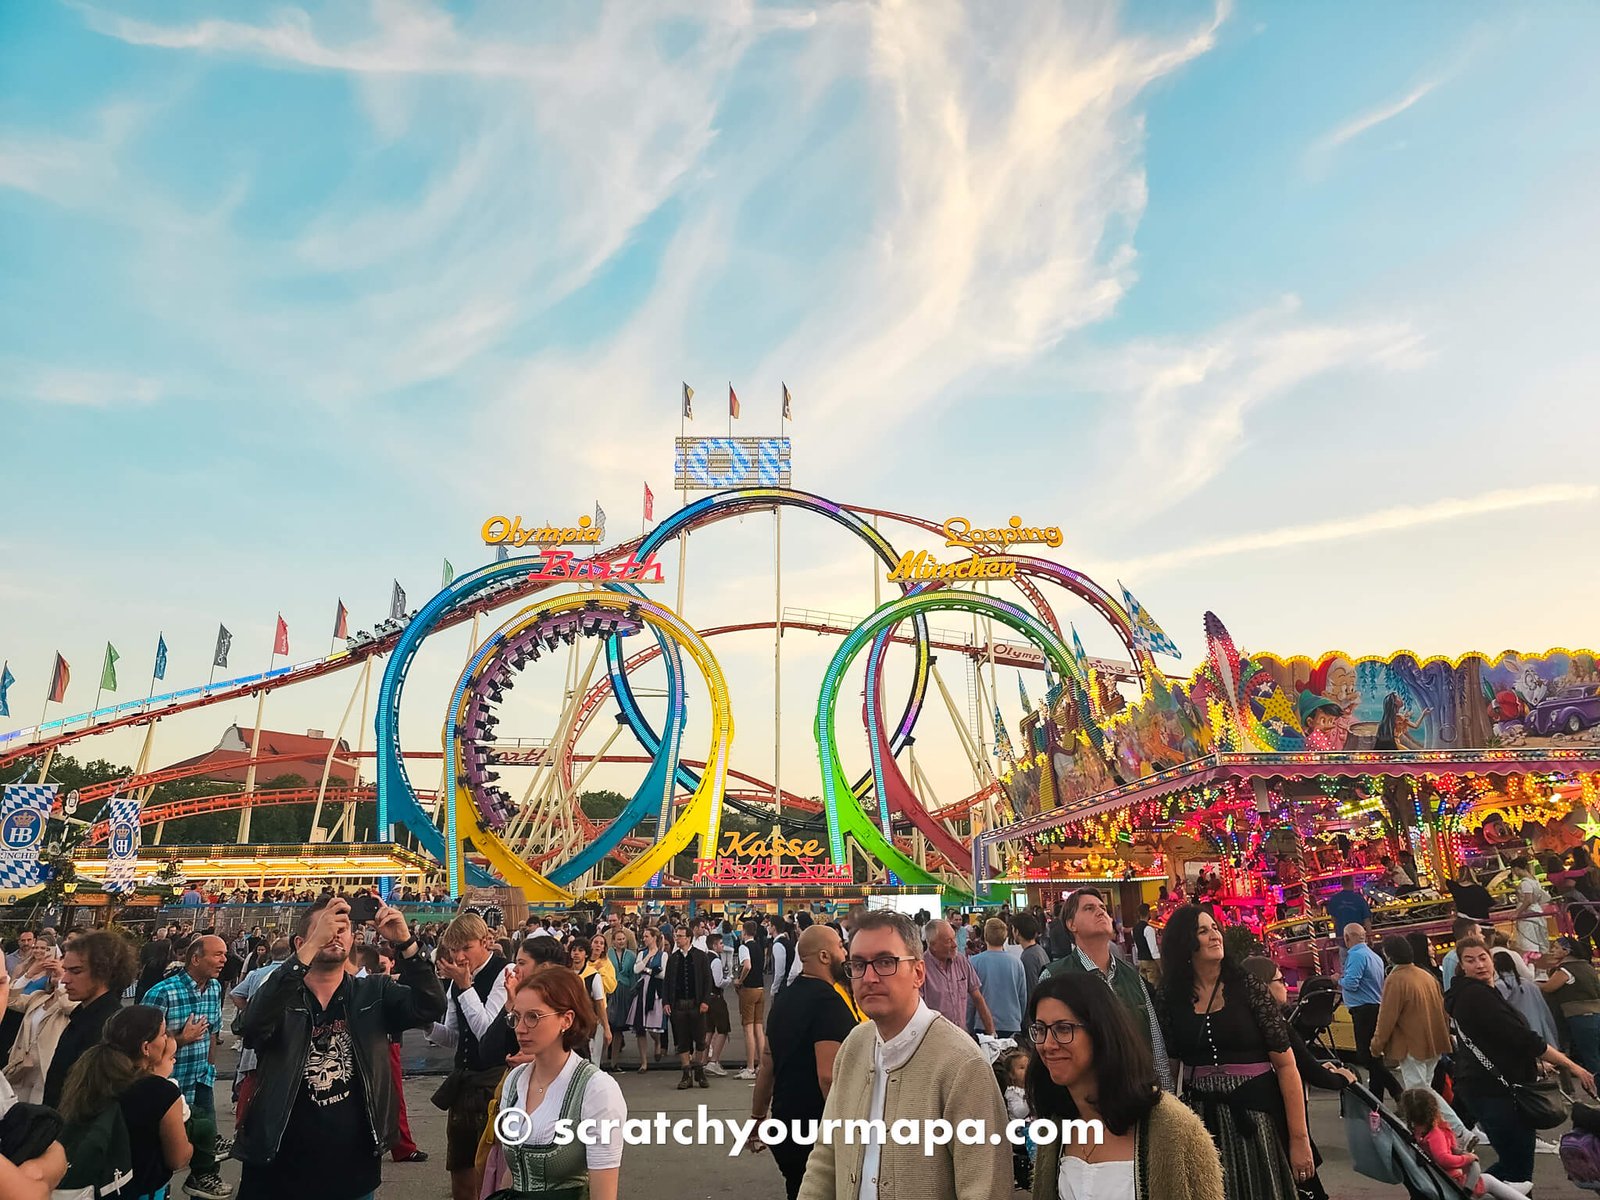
<point x="958" y="531"/>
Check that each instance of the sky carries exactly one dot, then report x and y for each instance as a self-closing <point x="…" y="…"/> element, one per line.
<point x="1280" y="311"/>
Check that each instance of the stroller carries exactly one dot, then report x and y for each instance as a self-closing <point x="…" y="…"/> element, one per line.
<point x="1382" y="1148"/>
<point x="1312" y="1014"/>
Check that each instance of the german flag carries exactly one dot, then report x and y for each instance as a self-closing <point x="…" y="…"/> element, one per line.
<point x="59" y="678"/>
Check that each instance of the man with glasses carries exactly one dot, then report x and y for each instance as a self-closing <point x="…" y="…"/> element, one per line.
<point x="950" y="984"/>
<point x="907" y="1063"/>
<point x="809" y="1021"/>
<point x="1088" y="921"/>
<point x="324" y="1110"/>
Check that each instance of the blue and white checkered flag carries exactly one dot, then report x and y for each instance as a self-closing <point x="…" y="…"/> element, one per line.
<point x="24" y="808"/>
<point x="122" y="844"/>
<point x="1146" y="633"/>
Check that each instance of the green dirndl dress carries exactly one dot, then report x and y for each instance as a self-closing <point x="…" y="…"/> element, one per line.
<point x="550" y="1171"/>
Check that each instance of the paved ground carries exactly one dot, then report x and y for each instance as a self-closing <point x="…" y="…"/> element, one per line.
<point x="670" y="1172"/>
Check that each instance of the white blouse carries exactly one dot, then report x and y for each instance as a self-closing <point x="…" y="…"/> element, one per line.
<point x="1079" y="1180"/>
<point x="602" y="1100"/>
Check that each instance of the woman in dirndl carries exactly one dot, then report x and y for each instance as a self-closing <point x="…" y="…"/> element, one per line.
<point x="1239" y="1070"/>
<point x="552" y="1015"/>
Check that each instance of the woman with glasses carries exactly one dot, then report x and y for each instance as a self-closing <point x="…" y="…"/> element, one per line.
<point x="1239" y="1070"/>
<point x="552" y="1016"/>
<point x="1315" y="1073"/>
<point x="1088" y="1065"/>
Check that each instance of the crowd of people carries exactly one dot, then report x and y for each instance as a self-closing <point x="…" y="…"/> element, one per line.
<point x="1182" y="1053"/>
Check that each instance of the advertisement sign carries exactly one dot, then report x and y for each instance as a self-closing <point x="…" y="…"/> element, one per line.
<point x="745" y="858"/>
<point x="24" y="808"/>
<point x="711" y="464"/>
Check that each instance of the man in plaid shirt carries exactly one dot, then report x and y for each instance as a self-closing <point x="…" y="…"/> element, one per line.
<point x="192" y="1002"/>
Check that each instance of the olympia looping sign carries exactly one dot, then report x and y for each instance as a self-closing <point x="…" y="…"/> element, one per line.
<point x="716" y="463"/>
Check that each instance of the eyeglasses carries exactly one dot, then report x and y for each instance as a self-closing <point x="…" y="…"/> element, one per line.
<point x="883" y="966"/>
<point x="532" y="1019"/>
<point x="1062" y="1031"/>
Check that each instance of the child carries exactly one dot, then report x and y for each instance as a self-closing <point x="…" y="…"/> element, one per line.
<point x="1010" y="1071"/>
<point x="1419" y="1108"/>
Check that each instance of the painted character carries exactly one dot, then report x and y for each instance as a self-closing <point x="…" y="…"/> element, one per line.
<point x="1394" y="730"/>
<point x="1327" y="726"/>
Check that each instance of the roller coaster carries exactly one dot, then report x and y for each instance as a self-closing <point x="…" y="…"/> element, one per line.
<point x="543" y="842"/>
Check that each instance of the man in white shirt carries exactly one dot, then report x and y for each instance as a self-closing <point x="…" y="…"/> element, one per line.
<point x="752" y="998"/>
<point x="717" y="1024"/>
<point x="907" y="1062"/>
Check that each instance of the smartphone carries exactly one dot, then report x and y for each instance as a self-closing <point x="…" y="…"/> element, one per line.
<point x="363" y="909"/>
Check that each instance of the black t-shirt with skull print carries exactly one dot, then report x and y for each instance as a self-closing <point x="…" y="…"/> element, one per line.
<point x="327" y="1152"/>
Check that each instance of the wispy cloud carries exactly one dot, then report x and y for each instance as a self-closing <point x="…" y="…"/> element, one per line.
<point x="1386" y="521"/>
<point x="1374" y="117"/>
<point x="1186" y="400"/>
<point x="75" y="388"/>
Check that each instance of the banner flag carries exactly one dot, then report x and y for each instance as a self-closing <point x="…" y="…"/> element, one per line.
<point x="280" y="638"/>
<point x="1079" y="656"/>
<point x="501" y="553"/>
<point x="160" y="671"/>
<point x="122" y="844"/>
<point x="6" y="680"/>
<point x="733" y="403"/>
<point x="1146" y="632"/>
<point x="649" y="503"/>
<point x="788" y="408"/>
<point x="397" y="602"/>
<point x="1002" y="739"/>
<point x="449" y="575"/>
<point x="341" y="621"/>
<point x="24" y="809"/>
<point x="219" y="656"/>
<point x="108" y="669"/>
<point x="1022" y="688"/>
<point x="688" y="403"/>
<point x="600" y="518"/>
<point x="59" y="678"/>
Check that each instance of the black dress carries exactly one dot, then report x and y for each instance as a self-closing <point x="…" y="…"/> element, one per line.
<point x="1244" y="1112"/>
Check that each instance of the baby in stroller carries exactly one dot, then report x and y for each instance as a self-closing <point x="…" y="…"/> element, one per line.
<point x="1419" y="1108"/>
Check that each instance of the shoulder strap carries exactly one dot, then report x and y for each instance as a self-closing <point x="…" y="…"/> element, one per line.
<point x="572" y="1102"/>
<point x="1482" y="1058"/>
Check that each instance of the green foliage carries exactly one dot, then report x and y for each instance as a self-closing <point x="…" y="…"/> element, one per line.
<point x="1238" y="943"/>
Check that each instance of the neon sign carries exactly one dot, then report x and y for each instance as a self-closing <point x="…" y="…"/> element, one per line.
<point x="958" y="531"/>
<point x="750" y="858"/>
<point x="562" y="566"/>
<point x="921" y="565"/>
<point x="711" y="464"/>
<point x="510" y="530"/>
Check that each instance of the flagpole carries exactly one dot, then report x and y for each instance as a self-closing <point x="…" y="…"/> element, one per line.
<point x="683" y="502"/>
<point x="777" y="651"/>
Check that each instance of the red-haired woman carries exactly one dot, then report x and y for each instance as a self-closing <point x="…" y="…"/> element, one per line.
<point x="552" y="1015"/>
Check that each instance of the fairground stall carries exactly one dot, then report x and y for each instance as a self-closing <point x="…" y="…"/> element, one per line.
<point x="1263" y="784"/>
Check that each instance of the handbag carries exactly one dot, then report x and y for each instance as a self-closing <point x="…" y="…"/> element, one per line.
<point x="1544" y="1104"/>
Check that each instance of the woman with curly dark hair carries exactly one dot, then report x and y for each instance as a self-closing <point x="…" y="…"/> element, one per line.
<point x="1089" y="1065"/>
<point x="1239" y="1069"/>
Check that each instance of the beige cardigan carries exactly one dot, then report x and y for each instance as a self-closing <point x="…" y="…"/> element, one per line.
<point x="35" y="1047"/>
<point x="946" y="1076"/>
<point x="1411" y="1020"/>
<point x="1174" y="1158"/>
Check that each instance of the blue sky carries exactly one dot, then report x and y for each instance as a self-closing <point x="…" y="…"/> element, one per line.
<point x="1279" y="310"/>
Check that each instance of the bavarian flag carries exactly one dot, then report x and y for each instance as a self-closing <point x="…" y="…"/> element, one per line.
<point x="1146" y="633"/>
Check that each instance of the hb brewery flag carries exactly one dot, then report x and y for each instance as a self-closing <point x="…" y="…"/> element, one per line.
<point x="122" y="843"/>
<point x="59" y="678"/>
<point x="108" y="669"/>
<point x="341" y="621"/>
<point x="6" y="680"/>
<point x="397" y="602"/>
<point x="219" y="656"/>
<point x="649" y="503"/>
<point x="24" y="808"/>
<point x="280" y="637"/>
<point x="688" y="403"/>
<point x="733" y="403"/>
<point x="788" y="411"/>
<point x="161" y="658"/>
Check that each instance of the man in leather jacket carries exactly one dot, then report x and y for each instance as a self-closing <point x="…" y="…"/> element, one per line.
<point x="324" y="1110"/>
